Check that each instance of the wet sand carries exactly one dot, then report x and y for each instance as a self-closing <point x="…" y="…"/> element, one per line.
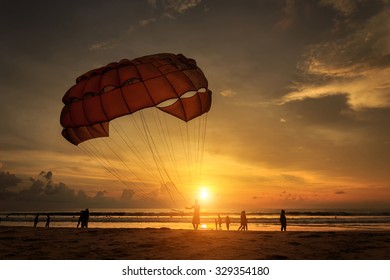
<point x="25" y="243"/>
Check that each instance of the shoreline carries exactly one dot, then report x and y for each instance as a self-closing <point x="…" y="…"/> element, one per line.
<point x="28" y="243"/>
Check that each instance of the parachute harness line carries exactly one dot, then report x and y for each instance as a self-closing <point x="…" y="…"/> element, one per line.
<point x="144" y="121"/>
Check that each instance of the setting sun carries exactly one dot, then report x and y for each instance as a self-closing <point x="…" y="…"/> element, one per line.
<point x="204" y="193"/>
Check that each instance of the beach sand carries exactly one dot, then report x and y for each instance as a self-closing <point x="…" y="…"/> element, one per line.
<point x="23" y="243"/>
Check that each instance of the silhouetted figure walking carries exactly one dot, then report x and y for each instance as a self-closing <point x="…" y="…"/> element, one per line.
<point x="283" y="221"/>
<point x="244" y="221"/>
<point x="47" y="221"/>
<point x="227" y="221"/>
<point x="219" y="222"/>
<point x="36" y="220"/>
<point x="196" y="217"/>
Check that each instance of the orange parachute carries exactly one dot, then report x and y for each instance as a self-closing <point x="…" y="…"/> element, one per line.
<point x="172" y="83"/>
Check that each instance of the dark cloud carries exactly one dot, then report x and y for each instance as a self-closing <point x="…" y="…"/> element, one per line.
<point x="340" y="192"/>
<point x="47" y="175"/>
<point x="58" y="196"/>
<point x="7" y="181"/>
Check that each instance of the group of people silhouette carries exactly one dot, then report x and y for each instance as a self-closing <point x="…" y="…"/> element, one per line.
<point x="83" y="219"/>
<point x="36" y="220"/>
<point x="218" y="220"/>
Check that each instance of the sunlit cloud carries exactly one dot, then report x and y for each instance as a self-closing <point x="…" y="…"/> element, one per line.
<point x="170" y="8"/>
<point x="357" y="66"/>
<point x="180" y="6"/>
<point x="103" y="45"/>
<point x="228" y="93"/>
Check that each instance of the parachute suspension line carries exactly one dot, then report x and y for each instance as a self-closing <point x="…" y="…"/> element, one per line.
<point x="95" y="152"/>
<point x="196" y="145"/>
<point x="196" y="130"/>
<point x="95" y="156"/>
<point x="145" y="137"/>
<point x="161" y="167"/>
<point x="202" y="139"/>
<point x="164" y="133"/>
<point x="113" y="169"/>
<point x="197" y="127"/>
<point x="190" y="154"/>
<point x="98" y="156"/>
<point x="195" y="150"/>
<point x="185" y="152"/>
<point x="121" y="160"/>
<point x="142" y="163"/>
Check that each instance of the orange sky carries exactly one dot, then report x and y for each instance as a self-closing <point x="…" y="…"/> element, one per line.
<point x="300" y="107"/>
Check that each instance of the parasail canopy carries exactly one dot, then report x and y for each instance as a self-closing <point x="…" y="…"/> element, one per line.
<point x="171" y="83"/>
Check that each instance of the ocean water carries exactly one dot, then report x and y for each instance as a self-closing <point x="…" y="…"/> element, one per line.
<point x="265" y="220"/>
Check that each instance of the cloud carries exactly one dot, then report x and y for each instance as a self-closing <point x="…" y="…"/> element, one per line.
<point x="146" y="22"/>
<point x="170" y="8"/>
<point x="47" y="175"/>
<point x="288" y="16"/>
<point x="357" y="65"/>
<point x="346" y="7"/>
<point x="104" y="45"/>
<point x="180" y="6"/>
<point x="57" y="195"/>
<point x="127" y="194"/>
<point x="8" y="180"/>
<point x="290" y="197"/>
<point x="161" y="8"/>
<point x="340" y="192"/>
<point x="228" y="93"/>
<point x="293" y="179"/>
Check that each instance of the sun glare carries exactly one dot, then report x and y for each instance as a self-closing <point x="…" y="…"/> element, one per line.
<point x="204" y="193"/>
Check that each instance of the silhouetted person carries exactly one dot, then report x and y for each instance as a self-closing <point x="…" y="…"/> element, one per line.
<point x="47" y="221"/>
<point x="216" y="223"/>
<point x="196" y="217"/>
<point x="83" y="219"/>
<point x="244" y="221"/>
<point x="36" y="220"/>
<point x="283" y="221"/>
<point x="227" y="221"/>
<point x="219" y="222"/>
<point x="84" y="222"/>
